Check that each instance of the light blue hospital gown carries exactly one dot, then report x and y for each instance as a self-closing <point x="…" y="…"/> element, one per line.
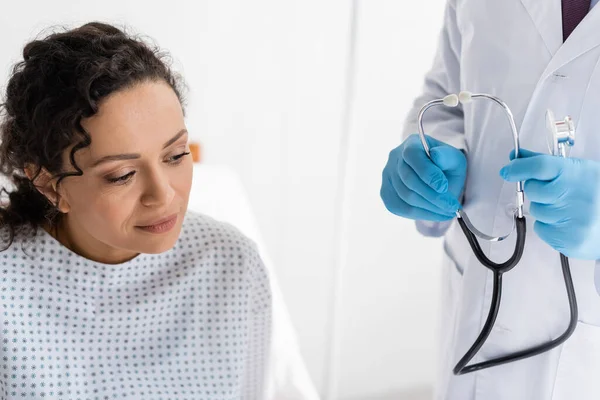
<point x="190" y="323"/>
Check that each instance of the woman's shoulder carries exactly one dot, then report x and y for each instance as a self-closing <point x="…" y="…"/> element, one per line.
<point x="205" y="235"/>
<point x="17" y="240"/>
<point x="220" y="249"/>
<point x="202" y="225"/>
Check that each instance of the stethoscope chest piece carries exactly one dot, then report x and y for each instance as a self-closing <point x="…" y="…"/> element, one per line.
<point x="560" y="134"/>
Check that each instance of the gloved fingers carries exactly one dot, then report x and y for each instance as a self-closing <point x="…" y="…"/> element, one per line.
<point x="538" y="167"/>
<point x="552" y="234"/>
<point x="545" y="192"/>
<point x="524" y="153"/>
<point x="448" y="158"/>
<point x="397" y="206"/>
<point x="546" y="213"/>
<point x="414" y="155"/>
<point x="431" y="141"/>
<point x="416" y="193"/>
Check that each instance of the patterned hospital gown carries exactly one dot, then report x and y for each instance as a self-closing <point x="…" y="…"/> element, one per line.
<point x="189" y="323"/>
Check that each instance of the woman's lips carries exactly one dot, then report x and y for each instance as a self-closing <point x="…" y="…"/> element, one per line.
<point x="161" y="226"/>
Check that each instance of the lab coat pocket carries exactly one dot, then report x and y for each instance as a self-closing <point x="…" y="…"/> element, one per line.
<point x="451" y="282"/>
<point x="452" y="277"/>
<point x="578" y="372"/>
<point x="451" y="286"/>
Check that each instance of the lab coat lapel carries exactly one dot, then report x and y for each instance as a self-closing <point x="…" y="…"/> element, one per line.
<point x="583" y="39"/>
<point x="547" y="18"/>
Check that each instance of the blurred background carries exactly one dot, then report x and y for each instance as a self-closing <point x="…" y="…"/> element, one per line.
<point x="295" y="105"/>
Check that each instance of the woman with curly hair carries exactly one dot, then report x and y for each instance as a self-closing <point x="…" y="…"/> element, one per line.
<point x="109" y="287"/>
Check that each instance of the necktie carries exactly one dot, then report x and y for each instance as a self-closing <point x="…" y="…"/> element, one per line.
<point x="573" y="12"/>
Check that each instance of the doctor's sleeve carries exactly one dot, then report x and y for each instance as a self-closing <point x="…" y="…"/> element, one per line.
<point x="443" y="123"/>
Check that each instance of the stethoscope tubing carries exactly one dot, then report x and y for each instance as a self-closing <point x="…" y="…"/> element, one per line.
<point x="498" y="269"/>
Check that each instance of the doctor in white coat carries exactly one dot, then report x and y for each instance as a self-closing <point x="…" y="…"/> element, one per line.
<point x="525" y="53"/>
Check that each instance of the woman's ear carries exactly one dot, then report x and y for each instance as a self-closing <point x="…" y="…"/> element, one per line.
<point x="46" y="185"/>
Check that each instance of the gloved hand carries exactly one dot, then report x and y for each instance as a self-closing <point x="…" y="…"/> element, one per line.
<point x="415" y="187"/>
<point x="565" y="200"/>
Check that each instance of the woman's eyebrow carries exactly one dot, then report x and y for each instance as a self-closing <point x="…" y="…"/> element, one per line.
<point x="133" y="156"/>
<point x="175" y="138"/>
<point x="116" y="157"/>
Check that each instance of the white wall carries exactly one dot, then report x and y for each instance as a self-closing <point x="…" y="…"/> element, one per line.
<point x="391" y="280"/>
<point x="267" y="95"/>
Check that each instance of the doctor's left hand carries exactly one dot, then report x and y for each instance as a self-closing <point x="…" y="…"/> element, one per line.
<point x="565" y="200"/>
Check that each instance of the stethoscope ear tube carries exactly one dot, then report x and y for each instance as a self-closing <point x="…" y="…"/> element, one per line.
<point x="464" y="97"/>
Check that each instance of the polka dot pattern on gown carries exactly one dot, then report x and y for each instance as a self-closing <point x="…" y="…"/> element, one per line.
<point x="189" y="323"/>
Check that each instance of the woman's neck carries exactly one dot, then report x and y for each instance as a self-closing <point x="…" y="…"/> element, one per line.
<point x="62" y="231"/>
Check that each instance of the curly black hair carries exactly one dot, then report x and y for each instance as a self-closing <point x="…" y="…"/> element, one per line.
<point x="61" y="80"/>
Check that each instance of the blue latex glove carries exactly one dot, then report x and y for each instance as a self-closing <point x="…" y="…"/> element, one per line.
<point x="415" y="187"/>
<point x="565" y="200"/>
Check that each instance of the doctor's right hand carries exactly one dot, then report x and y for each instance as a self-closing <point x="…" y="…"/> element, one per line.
<point x="416" y="187"/>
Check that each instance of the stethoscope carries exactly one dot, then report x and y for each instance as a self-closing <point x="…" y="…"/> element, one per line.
<point x="561" y="136"/>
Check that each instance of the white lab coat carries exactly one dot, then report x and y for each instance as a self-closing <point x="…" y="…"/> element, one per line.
<point x="514" y="49"/>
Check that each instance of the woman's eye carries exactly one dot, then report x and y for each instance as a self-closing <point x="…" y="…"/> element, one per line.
<point x="121" y="179"/>
<point x="177" y="159"/>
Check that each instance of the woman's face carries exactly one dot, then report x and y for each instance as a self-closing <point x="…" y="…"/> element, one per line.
<point x="133" y="194"/>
